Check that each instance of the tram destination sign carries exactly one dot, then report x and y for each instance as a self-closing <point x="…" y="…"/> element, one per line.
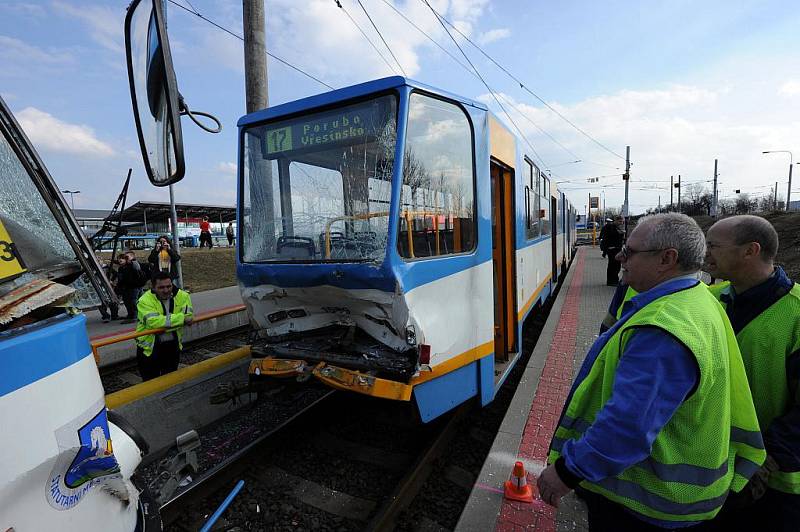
<point x="343" y="126"/>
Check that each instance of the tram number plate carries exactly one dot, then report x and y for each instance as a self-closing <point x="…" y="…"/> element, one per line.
<point x="11" y="264"/>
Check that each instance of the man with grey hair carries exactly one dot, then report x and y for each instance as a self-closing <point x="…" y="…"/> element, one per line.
<point x="763" y="305"/>
<point x="659" y="425"/>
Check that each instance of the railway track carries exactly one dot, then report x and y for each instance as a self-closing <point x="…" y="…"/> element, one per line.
<point x="343" y="463"/>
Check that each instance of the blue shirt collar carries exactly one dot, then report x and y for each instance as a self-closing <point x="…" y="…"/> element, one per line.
<point x="662" y="289"/>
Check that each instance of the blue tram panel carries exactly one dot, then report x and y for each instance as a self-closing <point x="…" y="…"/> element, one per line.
<point x="392" y="239"/>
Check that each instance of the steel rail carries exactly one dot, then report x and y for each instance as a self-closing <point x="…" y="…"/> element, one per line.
<point x="227" y="470"/>
<point x="412" y="482"/>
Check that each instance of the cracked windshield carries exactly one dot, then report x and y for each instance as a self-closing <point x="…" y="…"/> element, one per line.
<point x="318" y="187"/>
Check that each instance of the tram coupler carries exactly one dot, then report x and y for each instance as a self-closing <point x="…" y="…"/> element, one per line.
<point x="179" y="469"/>
<point x="229" y="392"/>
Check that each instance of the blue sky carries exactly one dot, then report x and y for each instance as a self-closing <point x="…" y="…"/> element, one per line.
<point x="681" y="82"/>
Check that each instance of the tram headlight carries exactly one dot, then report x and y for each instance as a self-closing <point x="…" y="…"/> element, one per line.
<point x="411" y="335"/>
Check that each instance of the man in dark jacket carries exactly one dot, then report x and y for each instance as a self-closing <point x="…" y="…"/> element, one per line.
<point x="763" y="305"/>
<point x="128" y="285"/>
<point x="611" y="239"/>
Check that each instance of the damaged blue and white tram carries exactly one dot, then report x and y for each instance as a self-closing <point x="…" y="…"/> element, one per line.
<point x="392" y="240"/>
<point x="66" y="461"/>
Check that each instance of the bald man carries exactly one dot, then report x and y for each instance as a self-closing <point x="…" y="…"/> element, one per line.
<point x="763" y="305"/>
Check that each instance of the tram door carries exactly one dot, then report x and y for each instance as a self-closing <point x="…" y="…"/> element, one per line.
<point x="554" y="233"/>
<point x="504" y="262"/>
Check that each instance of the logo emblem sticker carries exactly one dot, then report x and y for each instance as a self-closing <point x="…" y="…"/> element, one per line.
<point x="86" y="459"/>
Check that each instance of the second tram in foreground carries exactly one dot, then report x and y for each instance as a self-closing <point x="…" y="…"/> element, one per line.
<point x="392" y="240"/>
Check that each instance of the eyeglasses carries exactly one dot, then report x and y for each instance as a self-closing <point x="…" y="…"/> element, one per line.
<point x="627" y="252"/>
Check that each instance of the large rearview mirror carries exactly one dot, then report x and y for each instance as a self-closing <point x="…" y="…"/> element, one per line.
<point x="154" y="92"/>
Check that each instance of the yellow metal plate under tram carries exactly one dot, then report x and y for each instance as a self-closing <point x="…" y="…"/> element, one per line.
<point x="363" y="383"/>
<point x="275" y="367"/>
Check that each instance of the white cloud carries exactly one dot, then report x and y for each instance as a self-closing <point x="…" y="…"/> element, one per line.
<point x="493" y="35"/>
<point x="105" y="23"/>
<point x="679" y="129"/>
<point x="228" y="169"/>
<point x="339" y="54"/>
<point x="790" y="88"/>
<point x="50" y="133"/>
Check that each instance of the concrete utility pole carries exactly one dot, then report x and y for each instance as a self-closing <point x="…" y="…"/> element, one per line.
<point x="627" y="177"/>
<point x="680" y="207"/>
<point x="257" y="98"/>
<point x="671" y="188"/>
<point x="659" y="203"/>
<point x="714" y="195"/>
<point x="789" y="189"/>
<point x="775" y="202"/>
<point x="255" y="55"/>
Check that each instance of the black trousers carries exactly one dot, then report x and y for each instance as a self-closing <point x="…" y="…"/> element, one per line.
<point x="774" y="512"/>
<point x="205" y="238"/>
<point x="164" y="359"/>
<point x="612" y="272"/>
<point x="608" y="516"/>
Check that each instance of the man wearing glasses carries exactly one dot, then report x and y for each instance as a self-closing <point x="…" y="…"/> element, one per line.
<point x="763" y="305"/>
<point x="659" y="424"/>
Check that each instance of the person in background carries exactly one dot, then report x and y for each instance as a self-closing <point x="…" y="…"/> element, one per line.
<point x="113" y="308"/>
<point x="205" y="233"/>
<point x="229" y="233"/>
<point x="128" y="285"/>
<point x="763" y="305"/>
<point x="164" y="259"/>
<point x="612" y="237"/>
<point x="163" y="306"/>
<point x="659" y="424"/>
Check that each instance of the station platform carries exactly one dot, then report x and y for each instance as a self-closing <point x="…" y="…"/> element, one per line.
<point x="571" y="328"/>
<point x="202" y="302"/>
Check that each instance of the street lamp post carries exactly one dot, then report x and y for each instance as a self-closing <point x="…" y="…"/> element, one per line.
<point x="789" y="189"/>
<point x="71" y="196"/>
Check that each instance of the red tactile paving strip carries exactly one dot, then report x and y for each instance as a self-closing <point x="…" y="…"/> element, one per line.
<point x="554" y="385"/>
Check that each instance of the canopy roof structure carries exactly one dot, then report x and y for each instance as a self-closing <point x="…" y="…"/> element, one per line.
<point x="157" y="211"/>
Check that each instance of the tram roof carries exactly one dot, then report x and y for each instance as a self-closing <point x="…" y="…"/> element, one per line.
<point x="348" y="93"/>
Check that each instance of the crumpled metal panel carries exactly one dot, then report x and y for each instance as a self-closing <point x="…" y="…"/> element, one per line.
<point x="34" y="295"/>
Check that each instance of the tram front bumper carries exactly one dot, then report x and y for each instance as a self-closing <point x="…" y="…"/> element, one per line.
<point x="333" y="376"/>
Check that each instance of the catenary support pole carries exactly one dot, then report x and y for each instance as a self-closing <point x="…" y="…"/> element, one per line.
<point x="671" y="188"/>
<point x="176" y="243"/>
<point x="680" y="207"/>
<point x="714" y="195"/>
<point x="789" y="189"/>
<point x="627" y="178"/>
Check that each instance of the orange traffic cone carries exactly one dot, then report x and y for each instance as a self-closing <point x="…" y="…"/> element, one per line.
<point x="517" y="488"/>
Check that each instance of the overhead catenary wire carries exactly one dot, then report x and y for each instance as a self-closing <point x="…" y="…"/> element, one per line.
<point x="386" y="44"/>
<point x="193" y="11"/>
<point x="525" y="87"/>
<point x="485" y="84"/>
<point x="363" y="33"/>
<point x="472" y="73"/>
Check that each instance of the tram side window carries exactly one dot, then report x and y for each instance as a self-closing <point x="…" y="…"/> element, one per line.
<point x="437" y="204"/>
<point x="532" y="200"/>
<point x="559" y="214"/>
<point x="545" y="204"/>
